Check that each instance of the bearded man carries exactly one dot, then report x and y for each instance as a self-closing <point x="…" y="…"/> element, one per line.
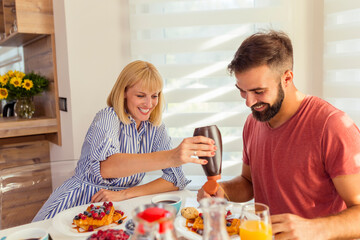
<point x="301" y="155"/>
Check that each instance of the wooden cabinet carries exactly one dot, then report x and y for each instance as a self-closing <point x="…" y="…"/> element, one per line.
<point x="22" y="21"/>
<point x="24" y="143"/>
<point x="25" y="179"/>
<point x="30" y="24"/>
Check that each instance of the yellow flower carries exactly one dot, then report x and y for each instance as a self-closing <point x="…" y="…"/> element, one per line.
<point x="16" y="81"/>
<point x="19" y="74"/>
<point x="11" y="74"/>
<point x="3" y="93"/>
<point x="27" y="84"/>
<point x="3" y="81"/>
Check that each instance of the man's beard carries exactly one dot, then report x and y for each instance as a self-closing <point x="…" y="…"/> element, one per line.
<point x="271" y="111"/>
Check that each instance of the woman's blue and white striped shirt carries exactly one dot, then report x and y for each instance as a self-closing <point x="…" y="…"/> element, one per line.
<point x="106" y="136"/>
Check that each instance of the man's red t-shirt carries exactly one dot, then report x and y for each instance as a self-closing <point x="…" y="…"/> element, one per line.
<point x="292" y="166"/>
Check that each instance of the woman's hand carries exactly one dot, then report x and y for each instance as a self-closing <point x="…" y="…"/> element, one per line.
<point x="191" y="148"/>
<point x="108" y="195"/>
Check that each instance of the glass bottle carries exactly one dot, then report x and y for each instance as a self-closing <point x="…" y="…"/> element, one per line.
<point x="154" y="222"/>
<point x="214" y="219"/>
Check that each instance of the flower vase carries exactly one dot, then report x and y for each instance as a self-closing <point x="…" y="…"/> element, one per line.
<point x="25" y="108"/>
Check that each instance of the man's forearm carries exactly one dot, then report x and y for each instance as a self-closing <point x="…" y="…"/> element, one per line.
<point x="238" y="189"/>
<point x="345" y="225"/>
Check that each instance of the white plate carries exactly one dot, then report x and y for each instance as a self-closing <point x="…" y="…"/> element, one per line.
<point x="180" y="222"/>
<point x="62" y="222"/>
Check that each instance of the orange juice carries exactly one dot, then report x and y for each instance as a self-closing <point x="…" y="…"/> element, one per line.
<point x="255" y="230"/>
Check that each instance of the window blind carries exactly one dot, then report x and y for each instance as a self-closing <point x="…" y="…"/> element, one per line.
<point x="11" y="58"/>
<point x="191" y="42"/>
<point x="341" y="83"/>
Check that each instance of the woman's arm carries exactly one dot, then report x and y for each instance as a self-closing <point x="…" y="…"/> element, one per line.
<point x="125" y="164"/>
<point x="157" y="186"/>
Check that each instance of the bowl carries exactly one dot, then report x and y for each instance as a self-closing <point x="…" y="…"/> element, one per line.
<point x="29" y="233"/>
<point x="169" y="199"/>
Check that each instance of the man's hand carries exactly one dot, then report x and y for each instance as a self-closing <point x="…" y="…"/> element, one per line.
<point x="290" y="226"/>
<point x="202" y="194"/>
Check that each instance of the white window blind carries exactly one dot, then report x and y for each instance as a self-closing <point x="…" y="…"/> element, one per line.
<point x="191" y="42"/>
<point x="11" y="58"/>
<point x="342" y="56"/>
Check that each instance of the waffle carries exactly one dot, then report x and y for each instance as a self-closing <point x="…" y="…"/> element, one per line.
<point x="97" y="216"/>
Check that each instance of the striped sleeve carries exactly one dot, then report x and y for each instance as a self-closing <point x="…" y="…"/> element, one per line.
<point x="102" y="139"/>
<point x="174" y="175"/>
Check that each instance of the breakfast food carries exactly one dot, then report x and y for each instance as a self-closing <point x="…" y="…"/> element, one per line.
<point x="189" y="213"/>
<point x="97" y="216"/>
<point x="110" y="234"/>
<point x="196" y="224"/>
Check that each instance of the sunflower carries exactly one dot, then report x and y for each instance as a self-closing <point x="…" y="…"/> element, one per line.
<point x="11" y="73"/>
<point x="3" y="80"/>
<point x="3" y="93"/>
<point x="19" y="74"/>
<point x="27" y="84"/>
<point x="16" y="81"/>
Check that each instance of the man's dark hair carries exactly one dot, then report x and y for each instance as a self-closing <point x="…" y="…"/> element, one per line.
<point x="272" y="48"/>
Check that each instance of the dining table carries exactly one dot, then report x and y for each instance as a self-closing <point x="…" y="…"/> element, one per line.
<point x="127" y="206"/>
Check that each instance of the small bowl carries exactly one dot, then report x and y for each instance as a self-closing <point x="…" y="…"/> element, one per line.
<point x="169" y="199"/>
<point x="29" y="233"/>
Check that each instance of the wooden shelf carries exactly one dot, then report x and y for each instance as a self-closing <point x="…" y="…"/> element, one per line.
<point x="30" y="24"/>
<point x="16" y="127"/>
<point x="19" y="39"/>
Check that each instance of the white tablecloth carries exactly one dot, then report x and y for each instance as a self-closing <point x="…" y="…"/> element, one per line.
<point x="188" y="199"/>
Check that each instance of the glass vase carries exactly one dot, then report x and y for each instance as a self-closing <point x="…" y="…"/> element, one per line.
<point x="25" y="108"/>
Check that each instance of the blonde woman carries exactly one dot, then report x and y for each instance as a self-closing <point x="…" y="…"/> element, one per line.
<point x="126" y="140"/>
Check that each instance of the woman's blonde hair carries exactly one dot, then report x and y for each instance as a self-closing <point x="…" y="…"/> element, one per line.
<point x="150" y="78"/>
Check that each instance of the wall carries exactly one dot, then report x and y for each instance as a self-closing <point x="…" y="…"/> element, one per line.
<point x="306" y="33"/>
<point x="92" y="46"/>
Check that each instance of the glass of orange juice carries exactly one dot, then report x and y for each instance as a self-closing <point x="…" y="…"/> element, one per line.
<point x="255" y="222"/>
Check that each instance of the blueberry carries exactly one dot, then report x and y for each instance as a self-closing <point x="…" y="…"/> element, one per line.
<point x="120" y="221"/>
<point x="199" y="231"/>
<point x="228" y="224"/>
<point x="77" y="217"/>
<point x="130" y="225"/>
<point x="108" y="212"/>
<point x="86" y="213"/>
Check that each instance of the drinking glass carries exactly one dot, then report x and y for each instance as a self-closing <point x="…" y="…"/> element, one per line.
<point x="255" y="222"/>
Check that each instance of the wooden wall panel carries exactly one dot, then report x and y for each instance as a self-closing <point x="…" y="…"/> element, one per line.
<point x="25" y="179"/>
<point x="24" y="153"/>
<point x="9" y="14"/>
<point x="2" y="25"/>
<point x="35" y="16"/>
<point x="38" y="57"/>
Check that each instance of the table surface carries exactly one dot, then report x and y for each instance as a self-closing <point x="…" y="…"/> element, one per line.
<point x="188" y="199"/>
